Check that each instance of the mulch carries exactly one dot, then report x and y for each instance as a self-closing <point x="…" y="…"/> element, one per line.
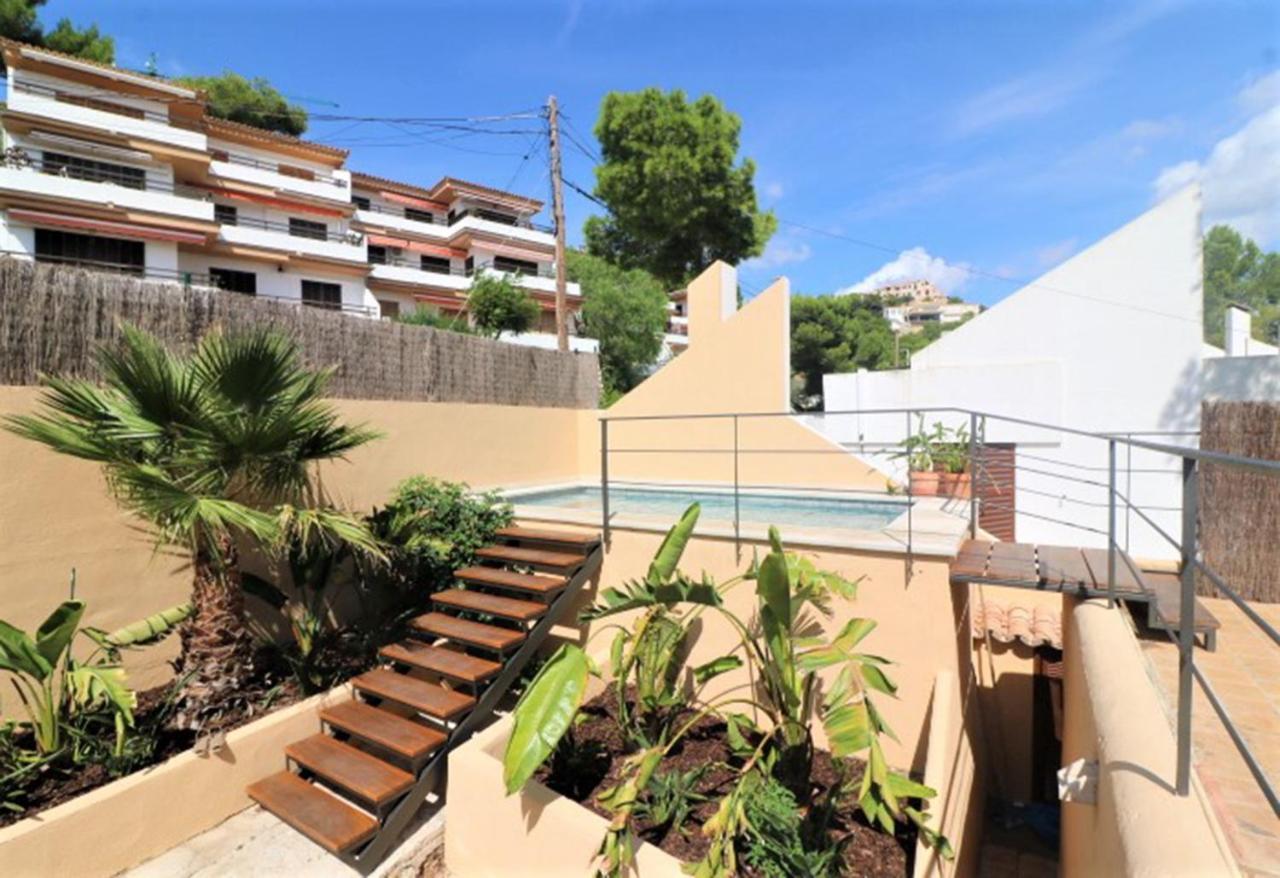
<point x="870" y="851"/>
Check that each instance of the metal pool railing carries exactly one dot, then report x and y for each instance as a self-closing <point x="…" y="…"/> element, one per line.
<point x="1186" y="543"/>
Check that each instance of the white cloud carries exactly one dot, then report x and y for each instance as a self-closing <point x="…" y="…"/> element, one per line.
<point x="1260" y="94"/>
<point x="1240" y="179"/>
<point x="915" y="264"/>
<point x="778" y="253"/>
<point x="1034" y="94"/>
<point x="1151" y="129"/>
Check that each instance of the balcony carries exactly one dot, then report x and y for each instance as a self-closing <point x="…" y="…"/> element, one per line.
<point x="542" y="281"/>
<point x="266" y="234"/>
<point x="394" y="219"/>
<point x="333" y="186"/>
<point x="440" y="228"/>
<point x="22" y="172"/>
<point x="67" y="107"/>
<point x="398" y="269"/>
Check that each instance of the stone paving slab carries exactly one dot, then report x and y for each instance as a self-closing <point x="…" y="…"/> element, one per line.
<point x="1245" y="673"/>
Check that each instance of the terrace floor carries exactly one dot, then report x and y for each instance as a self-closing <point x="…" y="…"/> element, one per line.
<point x="1245" y="673"/>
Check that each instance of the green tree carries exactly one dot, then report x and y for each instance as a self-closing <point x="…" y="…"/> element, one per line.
<point x="1236" y="271"/>
<point x="676" y="199"/>
<point x="19" y="21"/>
<point x="85" y="43"/>
<point x="497" y="306"/>
<point x="626" y="310"/>
<point x="250" y="101"/>
<point x="205" y="449"/>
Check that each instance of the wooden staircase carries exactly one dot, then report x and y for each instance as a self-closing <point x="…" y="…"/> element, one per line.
<point x="355" y="787"/>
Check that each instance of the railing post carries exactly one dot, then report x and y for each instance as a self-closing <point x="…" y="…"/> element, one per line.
<point x="906" y="444"/>
<point x="604" y="478"/>
<point x="1186" y="620"/>
<point x="1111" y="521"/>
<point x="973" y="476"/>
<point x="737" y="535"/>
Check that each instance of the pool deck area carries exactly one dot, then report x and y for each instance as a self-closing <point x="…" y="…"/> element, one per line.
<point x="931" y="526"/>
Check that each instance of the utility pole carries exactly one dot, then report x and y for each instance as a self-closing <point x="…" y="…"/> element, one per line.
<point x="557" y="207"/>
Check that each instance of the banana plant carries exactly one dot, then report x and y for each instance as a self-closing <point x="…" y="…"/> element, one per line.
<point x="56" y="688"/>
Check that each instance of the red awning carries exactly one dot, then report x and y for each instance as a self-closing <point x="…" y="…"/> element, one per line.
<point x="420" y="203"/>
<point x="125" y="230"/>
<point x="302" y="207"/>
<point x="517" y="252"/>
<point x="416" y="246"/>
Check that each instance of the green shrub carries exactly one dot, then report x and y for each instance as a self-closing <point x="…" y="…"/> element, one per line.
<point x="427" y="317"/>
<point x="499" y="306"/>
<point x="782" y="840"/>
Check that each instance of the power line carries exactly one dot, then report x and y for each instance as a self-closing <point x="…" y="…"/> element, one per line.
<point x="584" y="193"/>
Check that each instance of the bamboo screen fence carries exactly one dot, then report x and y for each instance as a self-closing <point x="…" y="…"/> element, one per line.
<point x="53" y="319"/>
<point x="1240" y="511"/>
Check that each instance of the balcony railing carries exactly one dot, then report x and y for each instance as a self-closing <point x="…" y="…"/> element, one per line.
<point x="406" y="262"/>
<point x="435" y="218"/>
<point x="457" y="217"/>
<point x="248" y="161"/>
<point x="106" y="106"/>
<point x="18" y="158"/>
<point x="186" y="278"/>
<point x="349" y="237"/>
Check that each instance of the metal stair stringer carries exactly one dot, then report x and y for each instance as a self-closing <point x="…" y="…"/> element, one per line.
<point x="432" y="776"/>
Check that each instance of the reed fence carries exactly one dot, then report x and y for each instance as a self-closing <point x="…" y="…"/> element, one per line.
<point x="1240" y="510"/>
<point x="53" y="319"/>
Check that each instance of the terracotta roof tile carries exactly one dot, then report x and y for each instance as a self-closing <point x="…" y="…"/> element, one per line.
<point x="1034" y="626"/>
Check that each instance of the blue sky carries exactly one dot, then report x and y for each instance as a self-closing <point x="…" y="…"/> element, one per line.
<point x="893" y="139"/>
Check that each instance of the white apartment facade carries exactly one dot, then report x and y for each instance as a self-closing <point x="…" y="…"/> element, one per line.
<point x="127" y="172"/>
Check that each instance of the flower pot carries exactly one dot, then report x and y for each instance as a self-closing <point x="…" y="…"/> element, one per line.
<point x="925" y="484"/>
<point x="958" y="485"/>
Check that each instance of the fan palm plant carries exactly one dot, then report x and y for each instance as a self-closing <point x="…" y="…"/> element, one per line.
<point x="205" y="448"/>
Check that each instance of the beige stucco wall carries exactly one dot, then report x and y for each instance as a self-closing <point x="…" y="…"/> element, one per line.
<point x="55" y="514"/>
<point x="1112" y="714"/>
<point x="738" y="361"/>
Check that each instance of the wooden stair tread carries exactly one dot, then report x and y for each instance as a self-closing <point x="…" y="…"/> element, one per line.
<point x="463" y="631"/>
<point x="438" y="659"/>
<point x="478" y="602"/>
<point x="498" y="578"/>
<point x="1166" y="591"/>
<point x="530" y="557"/>
<point x="429" y="698"/>
<point x="360" y="773"/>
<point x="325" y="819"/>
<point x="543" y="535"/>
<point x="401" y="736"/>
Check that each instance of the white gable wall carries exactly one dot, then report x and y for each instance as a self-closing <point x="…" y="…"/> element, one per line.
<point x="1109" y="341"/>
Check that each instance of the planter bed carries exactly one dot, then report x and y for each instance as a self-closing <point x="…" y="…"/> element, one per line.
<point x="127" y="821"/>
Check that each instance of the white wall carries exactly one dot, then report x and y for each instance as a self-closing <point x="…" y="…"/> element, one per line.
<point x="281" y="284"/>
<point x="1109" y="341"/>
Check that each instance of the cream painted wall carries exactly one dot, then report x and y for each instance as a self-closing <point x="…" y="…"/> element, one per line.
<point x="55" y="514"/>
<point x="738" y="361"/>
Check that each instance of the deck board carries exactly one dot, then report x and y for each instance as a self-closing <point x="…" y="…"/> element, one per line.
<point x="1126" y="582"/>
<point x="1063" y="566"/>
<point x="1012" y="561"/>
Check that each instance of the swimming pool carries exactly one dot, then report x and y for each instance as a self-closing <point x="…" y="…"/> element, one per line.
<point x="800" y="510"/>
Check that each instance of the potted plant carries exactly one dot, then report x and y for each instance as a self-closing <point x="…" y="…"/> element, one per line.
<point x="951" y="460"/>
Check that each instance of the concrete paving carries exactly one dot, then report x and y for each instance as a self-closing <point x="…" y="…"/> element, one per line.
<point x="257" y="843"/>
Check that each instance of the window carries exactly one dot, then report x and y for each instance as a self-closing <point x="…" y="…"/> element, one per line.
<point x="390" y="310"/>
<point x="515" y="266"/>
<point x="76" y="249"/>
<point x="301" y="228"/>
<point x="225" y="214"/>
<point x="319" y="294"/>
<point x="232" y="281"/>
<point x="494" y="216"/>
<point x="422" y="216"/>
<point x="377" y="255"/>
<point x="471" y="265"/>
<point x="360" y="202"/>
<point x="439" y="264"/>
<point x="89" y="169"/>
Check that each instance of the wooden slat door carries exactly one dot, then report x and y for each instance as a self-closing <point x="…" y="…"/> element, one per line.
<point x="995" y="482"/>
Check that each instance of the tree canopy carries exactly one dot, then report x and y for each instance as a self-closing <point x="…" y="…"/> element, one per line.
<point x="251" y="101"/>
<point x="1237" y="271"/>
<point x="678" y="198"/>
<point x="19" y="21"/>
<point x="497" y="306"/>
<point x="626" y="310"/>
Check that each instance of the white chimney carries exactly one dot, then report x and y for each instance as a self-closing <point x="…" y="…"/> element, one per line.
<point x="1238" y="331"/>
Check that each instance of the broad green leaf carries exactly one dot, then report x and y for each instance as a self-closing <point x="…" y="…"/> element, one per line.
<point x="18" y="653"/>
<point x="543" y="714"/>
<point x="643" y="594"/>
<point x="905" y="788"/>
<point x="853" y="633"/>
<point x="55" y="633"/>
<point x="876" y="679"/>
<point x="99" y="684"/>
<point x="878" y="722"/>
<point x="736" y="724"/>
<point x="668" y="555"/>
<point x="716" y="667"/>
<point x="151" y="629"/>
<point x="848" y="728"/>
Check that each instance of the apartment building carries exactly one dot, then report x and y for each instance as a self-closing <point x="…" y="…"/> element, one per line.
<point x="124" y="171"/>
<point x="426" y="244"/>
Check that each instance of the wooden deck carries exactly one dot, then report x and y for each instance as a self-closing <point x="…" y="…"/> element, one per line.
<point x="1081" y="572"/>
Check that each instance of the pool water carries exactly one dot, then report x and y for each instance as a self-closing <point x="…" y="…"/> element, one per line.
<point x="783" y="510"/>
